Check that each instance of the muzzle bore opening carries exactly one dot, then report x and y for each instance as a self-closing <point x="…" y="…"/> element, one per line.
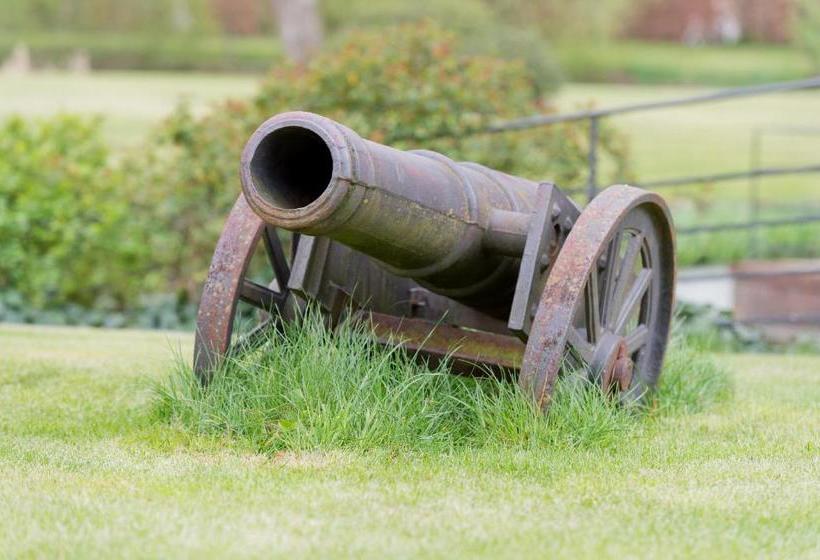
<point x="291" y="167"/>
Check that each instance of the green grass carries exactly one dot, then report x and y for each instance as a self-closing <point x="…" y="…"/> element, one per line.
<point x="130" y="102"/>
<point x="710" y="138"/>
<point x="307" y="389"/>
<point x="87" y="470"/>
<point x="717" y="138"/>
<point x="673" y="63"/>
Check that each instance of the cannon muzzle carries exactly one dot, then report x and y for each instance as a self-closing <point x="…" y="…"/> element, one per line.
<point x="457" y="228"/>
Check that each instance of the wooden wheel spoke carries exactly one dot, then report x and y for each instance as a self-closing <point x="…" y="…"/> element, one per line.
<point x="626" y="270"/>
<point x="623" y="243"/>
<point x="637" y="339"/>
<point x="612" y="262"/>
<point x="259" y="296"/>
<point x="633" y="299"/>
<point x="584" y="349"/>
<point x="276" y="257"/>
<point x="294" y="245"/>
<point x="592" y="316"/>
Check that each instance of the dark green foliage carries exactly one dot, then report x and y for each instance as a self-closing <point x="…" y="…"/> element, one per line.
<point x="477" y="25"/>
<point x="151" y="311"/>
<point x="64" y="220"/>
<point x="155" y="16"/>
<point x="713" y="330"/>
<point x="183" y="187"/>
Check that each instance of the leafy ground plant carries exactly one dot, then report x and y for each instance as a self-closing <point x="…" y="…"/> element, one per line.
<point x="308" y="388"/>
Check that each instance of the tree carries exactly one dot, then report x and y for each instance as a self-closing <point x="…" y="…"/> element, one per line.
<point x="300" y="28"/>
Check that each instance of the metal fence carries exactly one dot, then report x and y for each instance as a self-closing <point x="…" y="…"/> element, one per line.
<point x="754" y="173"/>
<point x="596" y="115"/>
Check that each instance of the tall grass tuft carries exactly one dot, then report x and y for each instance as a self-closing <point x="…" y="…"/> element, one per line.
<point x="309" y="389"/>
<point x="691" y="381"/>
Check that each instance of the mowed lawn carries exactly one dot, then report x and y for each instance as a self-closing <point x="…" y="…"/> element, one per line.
<point x="130" y="102"/>
<point x="87" y="471"/>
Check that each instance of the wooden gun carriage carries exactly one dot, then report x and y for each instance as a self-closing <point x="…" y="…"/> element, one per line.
<point x="496" y="272"/>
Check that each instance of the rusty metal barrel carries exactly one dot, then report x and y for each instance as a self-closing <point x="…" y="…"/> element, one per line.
<point x="457" y="228"/>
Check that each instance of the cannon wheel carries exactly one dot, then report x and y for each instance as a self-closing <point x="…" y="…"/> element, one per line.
<point x="227" y="284"/>
<point x="607" y="303"/>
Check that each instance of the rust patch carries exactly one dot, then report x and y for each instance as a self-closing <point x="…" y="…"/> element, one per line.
<point x="471" y="352"/>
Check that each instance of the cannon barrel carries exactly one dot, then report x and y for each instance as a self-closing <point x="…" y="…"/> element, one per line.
<point x="523" y="279"/>
<point x="457" y="228"/>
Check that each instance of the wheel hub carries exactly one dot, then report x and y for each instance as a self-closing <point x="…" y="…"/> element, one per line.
<point x="612" y="365"/>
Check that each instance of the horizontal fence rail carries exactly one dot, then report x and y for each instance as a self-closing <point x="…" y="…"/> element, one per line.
<point x="722" y="95"/>
<point x="752" y="174"/>
<point x="754" y="224"/>
<point x="775" y="222"/>
<point x="748" y="274"/>
<point x="729" y="176"/>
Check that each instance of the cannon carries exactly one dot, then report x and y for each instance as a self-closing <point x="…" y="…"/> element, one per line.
<point x="453" y="260"/>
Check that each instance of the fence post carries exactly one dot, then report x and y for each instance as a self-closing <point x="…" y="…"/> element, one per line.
<point x="592" y="159"/>
<point x="754" y="193"/>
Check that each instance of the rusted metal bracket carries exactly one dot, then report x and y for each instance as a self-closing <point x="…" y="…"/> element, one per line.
<point x="427" y="305"/>
<point x="308" y="280"/>
<point x="470" y="352"/>
<point x="549" y="225"/>
<point x="308" y="267"/>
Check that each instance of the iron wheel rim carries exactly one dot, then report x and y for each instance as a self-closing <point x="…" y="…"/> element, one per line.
<point x="620" y="221"/>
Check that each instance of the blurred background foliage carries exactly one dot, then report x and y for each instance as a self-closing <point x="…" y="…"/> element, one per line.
<point x="126" y="237"/>
<point x="579" y="40"/>
<point x="808" y="29"/>
<point x="62" y="215"/>
<point x="400" y="86"/>
<point x="110" y="230"/>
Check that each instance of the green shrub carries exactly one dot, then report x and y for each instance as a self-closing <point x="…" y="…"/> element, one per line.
<point x="587" y="21"/>
<point x="183" y="186"/>
<point x="410" y="86"/>
<point x="476" y="23"/>
<point x="64" y="223"/>
<point x="400" y="86"/>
